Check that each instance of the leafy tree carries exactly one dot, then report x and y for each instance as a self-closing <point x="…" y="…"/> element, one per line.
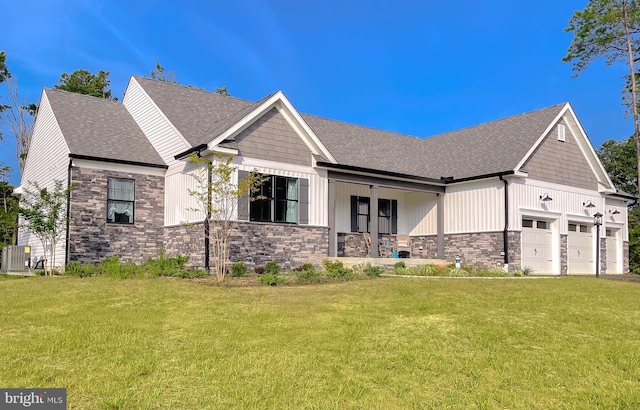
<point x="8" y="211"/>
<point x="619" y="159"/>
<point x="609" y="29"/>
<point x="217" y="197"/>
<point x="83" y="82"/>
<point x="43" y="212"/>
<point x="222" y="91"/>
<point x="4" y="71"/>
<point x="159" y="74"/>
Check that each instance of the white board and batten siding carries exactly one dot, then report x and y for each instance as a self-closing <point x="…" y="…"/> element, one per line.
<point x="475" y="206"/>
<point x="47" y="162"/>
<point x="164" y="137"/>
<point x="179" y="181"/>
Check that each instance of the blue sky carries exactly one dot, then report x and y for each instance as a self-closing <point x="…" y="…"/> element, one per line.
<point x="413" y="67"/>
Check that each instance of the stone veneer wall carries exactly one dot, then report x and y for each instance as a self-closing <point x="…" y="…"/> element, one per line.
<point x="564" y="255"/>
<point x="625" y="257"/>
<point x="186" y="240"/>
<point x="254" y="243"/>
<point x="292" y="245"/>
<point x="91" y="238"/>
<point x="515" y="250"/>
<point x="482" y="248"/>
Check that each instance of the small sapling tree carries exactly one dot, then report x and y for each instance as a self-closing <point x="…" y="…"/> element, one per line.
<point x="43" y="212"/>
<point x="217" y="196"/>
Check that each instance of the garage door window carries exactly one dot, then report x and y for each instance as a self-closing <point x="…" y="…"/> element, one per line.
<point x="527" y="223"/>
<point x="609" y="233"/>
<point x="573" y="228"/>
<point x="542" y="224"/>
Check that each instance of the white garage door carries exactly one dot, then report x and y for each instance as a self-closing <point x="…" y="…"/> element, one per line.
<point x="537" y="246"/>
<point x="580" y="249"/>
<point x="612" y="252"/>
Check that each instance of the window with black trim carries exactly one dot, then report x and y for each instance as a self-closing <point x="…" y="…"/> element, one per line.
<point x="276" y="200"/>
<point x="387" y="215"/>
<point x="120" y="200"/>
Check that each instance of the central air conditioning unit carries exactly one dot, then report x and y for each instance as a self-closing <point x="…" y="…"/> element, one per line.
<point x="16" y="258"/>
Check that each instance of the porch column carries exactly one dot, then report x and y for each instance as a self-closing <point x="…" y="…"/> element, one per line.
<point x="440" y="224"/>
<point x="373" y="223"/>
<point x="331" y="205"/>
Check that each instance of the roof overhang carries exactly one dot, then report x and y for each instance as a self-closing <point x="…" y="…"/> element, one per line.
<point x="348" y="169"/>
<point x="117" y="161"/>
<point x="204" y="150"/>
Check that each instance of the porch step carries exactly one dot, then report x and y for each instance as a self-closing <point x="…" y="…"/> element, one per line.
<point x="389" y="262"/>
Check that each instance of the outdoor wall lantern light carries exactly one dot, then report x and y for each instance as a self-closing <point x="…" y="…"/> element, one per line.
<point x="614" y="211"/>
<point x="545" y="197"/>
<point x="588" y="204"/>
<point x="597" y="221"/>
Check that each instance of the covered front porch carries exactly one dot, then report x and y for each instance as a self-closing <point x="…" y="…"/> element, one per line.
<point x="409" y="217"/>
<point x="389" y="263"/>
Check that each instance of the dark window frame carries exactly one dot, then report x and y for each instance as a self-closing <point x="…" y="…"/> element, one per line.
<point x="117" y="219"/>
<point x="269" y="208"/>
<point x="392" y="218"/>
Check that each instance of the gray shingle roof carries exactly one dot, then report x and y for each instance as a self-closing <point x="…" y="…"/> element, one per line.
<point x="489" y="148"/>
<point x="224" y="124"/>
<point x="192" y="111"/>
<point x="100" y="128"/>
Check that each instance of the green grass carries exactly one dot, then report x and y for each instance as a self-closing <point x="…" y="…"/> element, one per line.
<point x="376" y="344"/>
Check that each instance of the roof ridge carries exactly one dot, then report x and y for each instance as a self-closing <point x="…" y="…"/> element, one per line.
<point x="493" y="121"/>
<point x="83" y="95"/>
<point x="187" y="87"/>
<point x="399" y="134"/>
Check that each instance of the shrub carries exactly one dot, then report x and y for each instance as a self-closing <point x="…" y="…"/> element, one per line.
<point x="81" y="270"/>
<point x="431" y="270"/>
<point x="309" y="274"/>
<point x="304" y="267"/>
<point x="271" y="279"/>
<point x="164" y="266"/>
<point x="527" y="270"/>
<point x="336" y="269"/>
<point x="372" y="271"/>
<point x="399" y="266"/>
<point x="272" y="268"/>
<point x="238" y="269"/>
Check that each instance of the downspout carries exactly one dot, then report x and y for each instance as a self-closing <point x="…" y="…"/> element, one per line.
<point x="207" y="265"/>
<point x="67" y="245"/>
<point x="506" y="223"/>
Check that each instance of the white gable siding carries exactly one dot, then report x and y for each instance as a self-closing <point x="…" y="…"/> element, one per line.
<point x="161" y="133"/>
<point x="476" y="206"/>
<point x="48" y="161"/>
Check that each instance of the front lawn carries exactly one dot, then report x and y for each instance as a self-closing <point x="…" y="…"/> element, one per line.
<point x="374" y="344"/>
